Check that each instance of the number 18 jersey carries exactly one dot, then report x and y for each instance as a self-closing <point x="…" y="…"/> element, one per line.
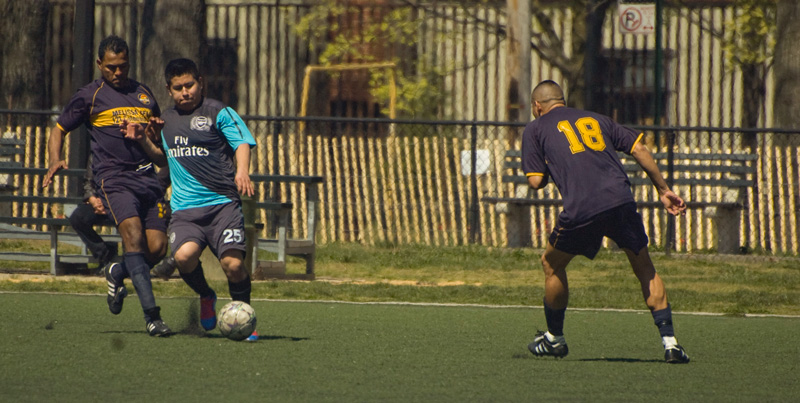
<point x="579" y="151"/>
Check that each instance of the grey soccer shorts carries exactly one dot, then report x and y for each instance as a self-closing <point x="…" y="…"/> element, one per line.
<point x="220" y="227"/>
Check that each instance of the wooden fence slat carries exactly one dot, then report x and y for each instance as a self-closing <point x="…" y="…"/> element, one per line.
<point x="443" y="188"/>
<point x="379" y="189"/>
<point x="340" y="189"/>
<point x="374" y="166"/>
<point x="461" y="191"/>
<point x="402" y="184"/>
<point x="330" y="224"/>
<point x="419" y="184"/>
<point x="394" y="218"/>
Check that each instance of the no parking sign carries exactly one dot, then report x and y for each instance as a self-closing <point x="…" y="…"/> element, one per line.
<point x="636" y="17"/>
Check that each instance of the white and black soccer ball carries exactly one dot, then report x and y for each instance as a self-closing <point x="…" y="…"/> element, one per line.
<point x="236" y="320"/>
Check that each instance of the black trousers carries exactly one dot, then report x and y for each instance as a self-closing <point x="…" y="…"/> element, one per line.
<point x="83" y="219"/>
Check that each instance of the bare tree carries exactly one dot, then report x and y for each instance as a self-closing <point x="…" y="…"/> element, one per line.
<point x="787" y="65"/>
<point x="22" y="55"/>
<point x="171" y="29"/>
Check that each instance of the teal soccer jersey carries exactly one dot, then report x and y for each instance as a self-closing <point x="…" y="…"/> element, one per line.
<point x="579" y="150"/>
<point x="200" y="147"/>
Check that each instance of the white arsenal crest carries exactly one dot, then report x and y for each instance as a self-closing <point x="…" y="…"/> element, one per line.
<point x="201" y="123"/>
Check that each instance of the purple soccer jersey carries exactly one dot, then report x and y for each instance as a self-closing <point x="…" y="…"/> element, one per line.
<point x="102" y="108"/>
<point x="578" y="149"/>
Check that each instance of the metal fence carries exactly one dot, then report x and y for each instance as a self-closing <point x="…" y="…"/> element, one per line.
<point x="259" y="60"/>
<point x="405" y="182"/>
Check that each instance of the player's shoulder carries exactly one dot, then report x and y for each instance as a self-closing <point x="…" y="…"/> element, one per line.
<point x="91" y="87"/>
<point x="140" y="86"/>
<point x="143" y="94"/>
<point x="213" y="104"/>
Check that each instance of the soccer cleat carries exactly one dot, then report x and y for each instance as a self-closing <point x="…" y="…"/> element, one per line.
<point x="542" y="346"/>
<point x="158" y="328"/>
<point x="676" y="355"/>
<point x="164" y="269"/>
<point x="208" y="312"/>
<point x="252" y="337"/>
<point x="116" y="292"/>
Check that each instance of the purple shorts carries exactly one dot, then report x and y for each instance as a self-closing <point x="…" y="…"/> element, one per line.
<point x="220" y="227"/>
<point x="622" y="225"/>
<point x="134" y="194"/>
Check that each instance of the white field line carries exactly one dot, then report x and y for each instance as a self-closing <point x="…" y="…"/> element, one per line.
<point x="435" y="304"/>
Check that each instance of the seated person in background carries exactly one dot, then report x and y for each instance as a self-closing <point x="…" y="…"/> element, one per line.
<point x="167" y="266"/>
<point x="88" y="214"/>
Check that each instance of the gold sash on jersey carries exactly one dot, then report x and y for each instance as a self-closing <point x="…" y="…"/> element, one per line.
<point x="115" y="116"/>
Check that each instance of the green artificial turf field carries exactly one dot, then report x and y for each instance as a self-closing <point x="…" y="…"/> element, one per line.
<point x="69" y="348"/>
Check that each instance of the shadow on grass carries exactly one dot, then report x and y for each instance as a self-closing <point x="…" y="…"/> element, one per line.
<point x="611" y="359"/>
<point x="260" y="337"/>
<point x="602" y="359"/>
<point x="195" y="333"/>
<point x="289" y="338"/>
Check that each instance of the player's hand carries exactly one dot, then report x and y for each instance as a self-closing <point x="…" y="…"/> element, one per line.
<point x="153" y="129"/>
<point x="131" y="131"/>
<point x="244" y="184"/>
<point x="97" y="205"/>
<point x="673" y="203"/>
<point x="51" y="172"/>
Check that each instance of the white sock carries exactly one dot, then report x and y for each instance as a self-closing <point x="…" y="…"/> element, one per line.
<point x="554" y="339"/>
<point x="669" y="342"/>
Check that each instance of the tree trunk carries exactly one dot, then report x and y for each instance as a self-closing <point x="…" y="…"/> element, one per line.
<point x="787" y="65"/>
<point x="518" y="64"/>
<point x="787" y="80"/>
<point x="171" y="29"/>
<point x="22" y="27"/>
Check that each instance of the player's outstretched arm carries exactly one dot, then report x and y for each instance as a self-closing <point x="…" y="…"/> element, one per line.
<point x="55" y="145"/>
<point x="242" y="177"/>
<point x="538" y="181"/>
<point x="672" y="202"/>
<point x="140" y="134"/>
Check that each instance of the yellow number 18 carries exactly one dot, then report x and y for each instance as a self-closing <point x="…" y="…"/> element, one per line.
<point x="591" y="135"/>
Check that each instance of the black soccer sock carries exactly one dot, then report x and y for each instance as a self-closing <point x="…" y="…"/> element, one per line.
<point x="663" y="319"/>
<point x="196" y="280"/>
<point x="139" y="271"/>
<point x="152" y="314"/>
<point x="240" y="291"/>
<point x="121" y="273"/>
<point x="555" y="319"/>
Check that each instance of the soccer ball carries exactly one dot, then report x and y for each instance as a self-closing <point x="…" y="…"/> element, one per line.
<point x="236" y="320"/>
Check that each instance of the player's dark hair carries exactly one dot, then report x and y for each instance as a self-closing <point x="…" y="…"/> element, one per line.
<point x="179" y="67"/>
<point x="111" y="43"/>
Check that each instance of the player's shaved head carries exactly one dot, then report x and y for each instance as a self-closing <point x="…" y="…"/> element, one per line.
<point x="547" y="91"/>
<point x="547" y="95"/>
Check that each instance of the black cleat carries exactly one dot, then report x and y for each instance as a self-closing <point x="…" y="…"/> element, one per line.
<point x="164" y="269"/>
<point x="541" y="347"/>
<point x="116" y="292"/>
<point x="158" y="328"/>
<point x="676" y="355"/>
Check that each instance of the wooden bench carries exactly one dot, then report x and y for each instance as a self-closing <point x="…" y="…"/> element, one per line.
<point x="60" y="263"/>
<point x="303" y="247"/>
<point x="57" y="229"/>
<point x="730" y="174"/>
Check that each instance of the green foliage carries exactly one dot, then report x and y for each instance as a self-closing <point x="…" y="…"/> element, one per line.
<point x="418" y="91"/>
<point x="750" y="36"/>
